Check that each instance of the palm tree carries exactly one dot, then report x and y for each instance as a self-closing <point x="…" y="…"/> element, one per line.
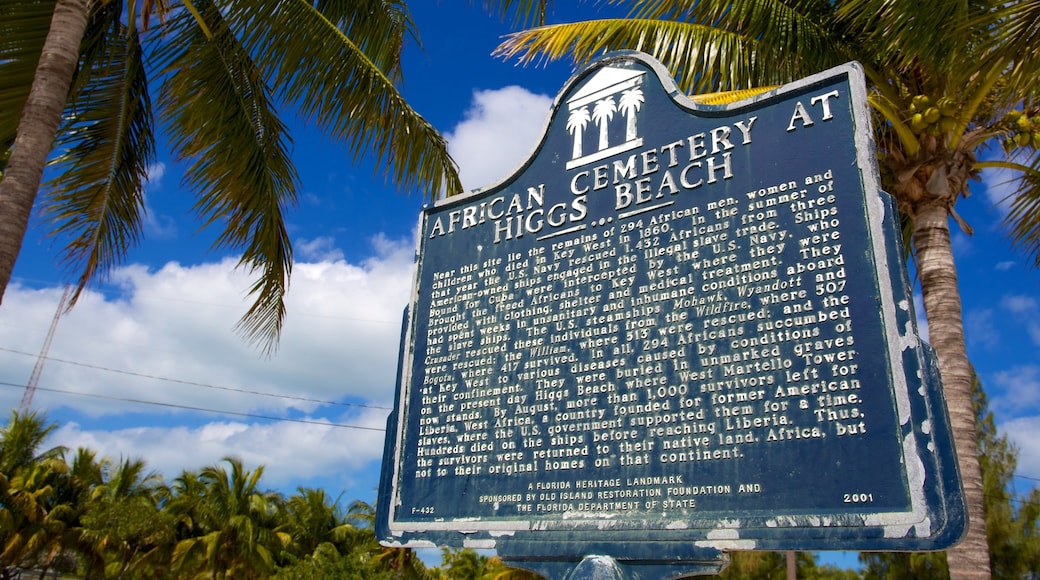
<point x="401" y="562"/>
<point x="949" y="85"/>
<point x="21" y="439"/>
<point x="26" y="486"/>
<point x="232" y="524"/>
<point x="36" y="520"/>
<point x="76" y="87"/>
<point x="313" y="519"/>
<point x="464" y="564"/>
<point x="37" y="495"/>
<point x="122" y="526"/>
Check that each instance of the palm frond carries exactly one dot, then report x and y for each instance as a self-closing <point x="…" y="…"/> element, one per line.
<point x="21" y="439"/>
<point x="702" y="59"/>
<point x="103" y="151"/>
<point x="223" y="122"/>
<point x="1023" y="217"/>
<point x="333" y="82"/>
<point x="709" y="45"/>
<point x="803" y="32"/>
<point x="23" y="28"/>
<point x="379" y="28"/>
<point x="1015" y="38"/>
<point x="907" y="35"/>
<point x="727" y="97"/>
<point x="893" y="116"/>
<point x="525" y="13"/>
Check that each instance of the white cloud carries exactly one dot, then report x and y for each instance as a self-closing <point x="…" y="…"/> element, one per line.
<point x="156" y="224"/>
<point x="1019" y="304"/>
<point x="979" y="328"/>
<point x="293" y="454"/>
<point x="1025" y="433"/>
<point x="1033" y="328"/>
<point x="1024" y="310"/>
<point x="1000" y="188"/>
<point x="961" y="244"/>
<point x="1015" y="392"/>
<point x="339" y="344"/>
<point x="154" y="174"/>
<point x="500" y="131"/>
<point x="322" y="249"/>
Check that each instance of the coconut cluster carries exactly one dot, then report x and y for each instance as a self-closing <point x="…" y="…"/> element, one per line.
<point x="1023" y="130"/>
<point x="932" y="118"/>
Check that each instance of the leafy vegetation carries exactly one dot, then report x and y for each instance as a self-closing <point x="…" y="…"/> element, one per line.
<point x="74" y="513"/>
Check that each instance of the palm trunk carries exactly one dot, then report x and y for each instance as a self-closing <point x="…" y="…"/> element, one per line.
<point x="37" y="127"/>
<point x="942" y="303"/>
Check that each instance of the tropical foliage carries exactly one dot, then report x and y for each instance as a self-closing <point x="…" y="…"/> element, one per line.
<point x="953" y="90"/>
<point x="99" y="518"/>
<point x="773" y="566"/>
<point x="77" y="90"/>
<point x="467" y="564"/>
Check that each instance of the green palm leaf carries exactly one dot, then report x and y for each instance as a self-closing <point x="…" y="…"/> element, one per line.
<point x="907" y="35"/>
<point x="345" y="90"/>
<point x="727" y="97"/>
<point x="525" y="13"/>
<point x="95" y="200"/>
<point x="800" y="36"/>
<point x="378" y="28"/>
<point x="23" y="27"/>
<point x="1023" y="218"/>
<point x="233" y="523"/>
<point x="219" y="111"/>
<point x="20" y="441"/>
<point x="687" y="49"/>
<point x="708" y="46"/>
<point x="1015" y="29"/>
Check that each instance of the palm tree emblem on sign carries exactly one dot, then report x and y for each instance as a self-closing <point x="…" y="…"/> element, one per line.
<point x="611" y="90"/>
<point x="576" y="123"/>
<point x="631" y="101"/>
<point x="602" y="114"/>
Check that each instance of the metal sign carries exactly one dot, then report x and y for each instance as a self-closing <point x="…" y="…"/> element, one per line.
<point x="676" y="329"/>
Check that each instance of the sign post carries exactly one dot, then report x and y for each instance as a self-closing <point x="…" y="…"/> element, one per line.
<point x="677" y="329"/>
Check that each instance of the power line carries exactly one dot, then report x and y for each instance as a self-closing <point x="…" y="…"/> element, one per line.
<point x="287" y="419"/>
<point x="223" y="388"/>
<point x="201" y="409"/>
<point x="197" y="384"/>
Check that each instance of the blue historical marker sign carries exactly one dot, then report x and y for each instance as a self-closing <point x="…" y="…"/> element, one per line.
<point x="676" y="329"/>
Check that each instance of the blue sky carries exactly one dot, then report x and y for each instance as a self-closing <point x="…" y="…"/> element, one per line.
<point x="133" y="363"/>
